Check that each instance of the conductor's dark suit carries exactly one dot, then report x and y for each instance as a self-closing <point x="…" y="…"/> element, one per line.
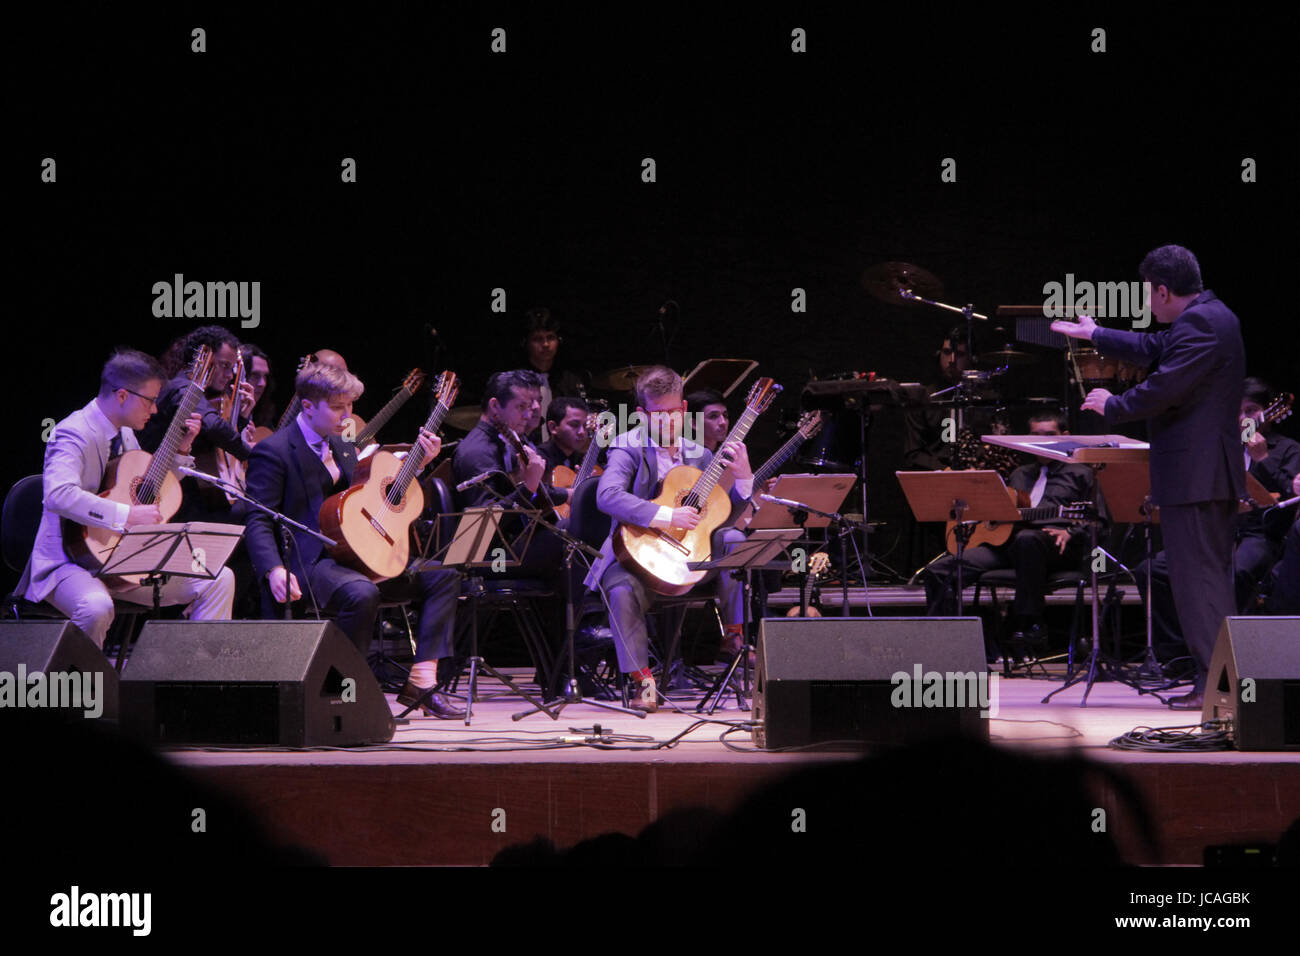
<point x="286" y="474"/>
<point x="1192" y="405"/>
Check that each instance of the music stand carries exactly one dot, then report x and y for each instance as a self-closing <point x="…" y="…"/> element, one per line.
<point x="161" y="551"/>
<point x="721" y="375"/>
<point x="819" y="498"/>
<point x="467" y="551"/>
<point x="759" y="547"/>
<point x="966" y="497"/>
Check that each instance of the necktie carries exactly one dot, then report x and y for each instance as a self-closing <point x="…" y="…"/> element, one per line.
<point x="115" y="446"/>
<point x="1040" y="486"/>
<point x="327" y="459"/>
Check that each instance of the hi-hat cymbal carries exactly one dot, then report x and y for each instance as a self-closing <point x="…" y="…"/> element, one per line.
<point x="619" y="379"/>
<point x="463" y="418"/>
<point x="1006" y="356"/>
<point x="885" y="280"/>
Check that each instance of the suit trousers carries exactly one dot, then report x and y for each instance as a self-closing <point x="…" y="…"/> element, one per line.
<point x="89" y="604"/>
<point x="1198" y="545"/>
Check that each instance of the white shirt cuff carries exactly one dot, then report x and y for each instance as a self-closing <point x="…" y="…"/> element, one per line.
<point x="745" y="486"/>
<point x="663" y="518"/>
<point x="120" y="516"/>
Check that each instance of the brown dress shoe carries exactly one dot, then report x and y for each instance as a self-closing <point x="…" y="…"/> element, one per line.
<point x="434" y="705"/>
<point x="647" y="697"/>
<point x="1193" y="701"/>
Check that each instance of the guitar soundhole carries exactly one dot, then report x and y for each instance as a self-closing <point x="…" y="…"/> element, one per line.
<point x="395" y="505"/>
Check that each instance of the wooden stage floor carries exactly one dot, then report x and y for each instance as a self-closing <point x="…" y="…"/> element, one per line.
<point x="440" y="792"/>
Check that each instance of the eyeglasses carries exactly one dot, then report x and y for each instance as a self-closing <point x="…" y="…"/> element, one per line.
<point x="151" y="399"/>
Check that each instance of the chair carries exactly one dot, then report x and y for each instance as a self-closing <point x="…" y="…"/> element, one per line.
<point x="519" y="595"/>
<point x="20" y="520"/>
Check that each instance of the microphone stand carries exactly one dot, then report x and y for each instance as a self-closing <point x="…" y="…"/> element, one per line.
<point x="284" y="541"/>
<point x="841" y="526"/>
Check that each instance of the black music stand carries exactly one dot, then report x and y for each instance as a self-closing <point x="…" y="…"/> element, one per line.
<point x="162" y="551"/>
<point x="721" y="375"/>
<point x="966" y="497"/>
<point x="759" y="547"/>
<point x="476" y="531"/>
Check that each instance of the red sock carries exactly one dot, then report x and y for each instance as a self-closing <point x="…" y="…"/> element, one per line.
<point x="642" y="674"/>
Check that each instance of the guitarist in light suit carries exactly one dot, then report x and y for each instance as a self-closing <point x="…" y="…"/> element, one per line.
<point x="76" y="457"/>
<point x="293" y="472"/>
<point x="626" y="493"/>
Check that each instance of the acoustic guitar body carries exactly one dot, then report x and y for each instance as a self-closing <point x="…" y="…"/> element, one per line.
<point x="374" y="537"/>
<point x="563" y="477"/>
<point x="90" y="547"/>
<point x="658" y="558"/>
<point x="992" y="533"/>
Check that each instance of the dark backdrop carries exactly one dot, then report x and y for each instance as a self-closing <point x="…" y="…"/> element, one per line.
<point x="522" y="171"/>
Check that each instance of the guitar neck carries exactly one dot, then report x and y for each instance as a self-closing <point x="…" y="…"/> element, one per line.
<point x="1042" y="513"/>
<point x="411" y="465"/>
<point x="290" y="413"/>
<point x="381" y="419"/>
<point x="588" y="462"/>
<point x="783" y="454"/>
<point x="164" y="458"/>
<point x="707" y="481"/>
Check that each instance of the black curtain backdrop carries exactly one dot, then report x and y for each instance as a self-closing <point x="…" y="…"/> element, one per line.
<point x="521" y="170"/>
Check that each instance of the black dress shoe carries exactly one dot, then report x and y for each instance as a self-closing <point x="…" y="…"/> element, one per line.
<point x="434" y="705"/>
<point x="1193" y="701"/>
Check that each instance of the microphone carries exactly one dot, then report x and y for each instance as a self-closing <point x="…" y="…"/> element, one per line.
<point x="797" y="505"/>
<point x="478" y="479"/>
<point x="191" y="473"/>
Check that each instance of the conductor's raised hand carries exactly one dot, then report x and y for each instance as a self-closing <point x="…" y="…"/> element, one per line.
<point x="1082" y="329"/>
<point x="1096" y="401"/>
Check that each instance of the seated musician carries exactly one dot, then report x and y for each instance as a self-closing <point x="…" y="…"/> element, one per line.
<point x="631" y="481"/>
<point x="710" y="404"/>
<point x="541" y="354"/>
<point x="1032" y="551"/>
<point x="204" y="502"/>
<point x="1274" y="461"/>
<point x="257" y="365"/>
<point x="76" y="457"/>
<point x="294" y="471"/>
<point x="566" y="421"/>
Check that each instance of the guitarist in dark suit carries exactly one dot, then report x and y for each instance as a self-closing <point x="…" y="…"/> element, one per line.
<point x="1191" y="403"/>
<point x="1033" y="551"/>
<point x="631" y="481"/>
<point x="294" y="471"/>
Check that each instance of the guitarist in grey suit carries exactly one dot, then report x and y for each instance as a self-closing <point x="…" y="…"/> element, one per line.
<point x="76" y="458"/>
<point x="1192" y="405"/>
<point x="626" y="493"/>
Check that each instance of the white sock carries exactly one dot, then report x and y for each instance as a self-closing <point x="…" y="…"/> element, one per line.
<point x="424" y="673"/>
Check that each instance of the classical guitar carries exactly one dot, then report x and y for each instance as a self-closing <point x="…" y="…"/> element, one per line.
<point x="371" y="521"/>
<point x="410" y="385"/>
<point x="810" y="592"/>
<point x="659" y="558"/>
<point x="564" y="477"/>
<point x="994" y="533"/>
<point x="809" y="424"/>
<point x="139" y="478"/>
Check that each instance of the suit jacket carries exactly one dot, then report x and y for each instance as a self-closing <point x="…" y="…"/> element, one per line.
<point x="483" y="450"/>
<point x="1192" y="401"/>
<point x="629" y="484"/>
<point x="75" y="459"/>
<point x="285" y="474"/>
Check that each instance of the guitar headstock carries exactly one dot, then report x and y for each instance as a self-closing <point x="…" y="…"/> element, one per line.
<point x="1279" y="408"/>
<point x="810" y="424"/>
<point x="761" y="395"/>
<point x="414" y="379"/>
<point x="201" y="366"/>
<point x="601" y="429"/>
<point x="1078" y="511"/>
<point x="818" y="563"/>
<point x="445" y="389"/>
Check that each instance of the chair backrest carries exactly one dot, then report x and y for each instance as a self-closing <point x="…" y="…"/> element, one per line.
<point x="20" y="520"/>
<point x="440" y="501"/>
<point x="586" y="521"/>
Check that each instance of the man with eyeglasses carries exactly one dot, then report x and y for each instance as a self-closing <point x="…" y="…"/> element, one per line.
<point x="76" y="457"/>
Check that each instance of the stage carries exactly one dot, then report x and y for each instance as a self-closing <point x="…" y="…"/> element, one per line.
<point x="429" y="799"/>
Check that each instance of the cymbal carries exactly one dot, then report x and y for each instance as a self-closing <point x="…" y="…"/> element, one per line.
<point x="885" y="279"/>
<point x="1006" y="356"/>
<point x="619" y="379"/>
<point x="463" y="418"/>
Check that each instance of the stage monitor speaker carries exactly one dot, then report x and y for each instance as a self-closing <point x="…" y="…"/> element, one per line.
<point x="57" y="648"/>
<point x="1265" y="651"/>
<point x="251" y="683"/>
<point x="830" y="679"/>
